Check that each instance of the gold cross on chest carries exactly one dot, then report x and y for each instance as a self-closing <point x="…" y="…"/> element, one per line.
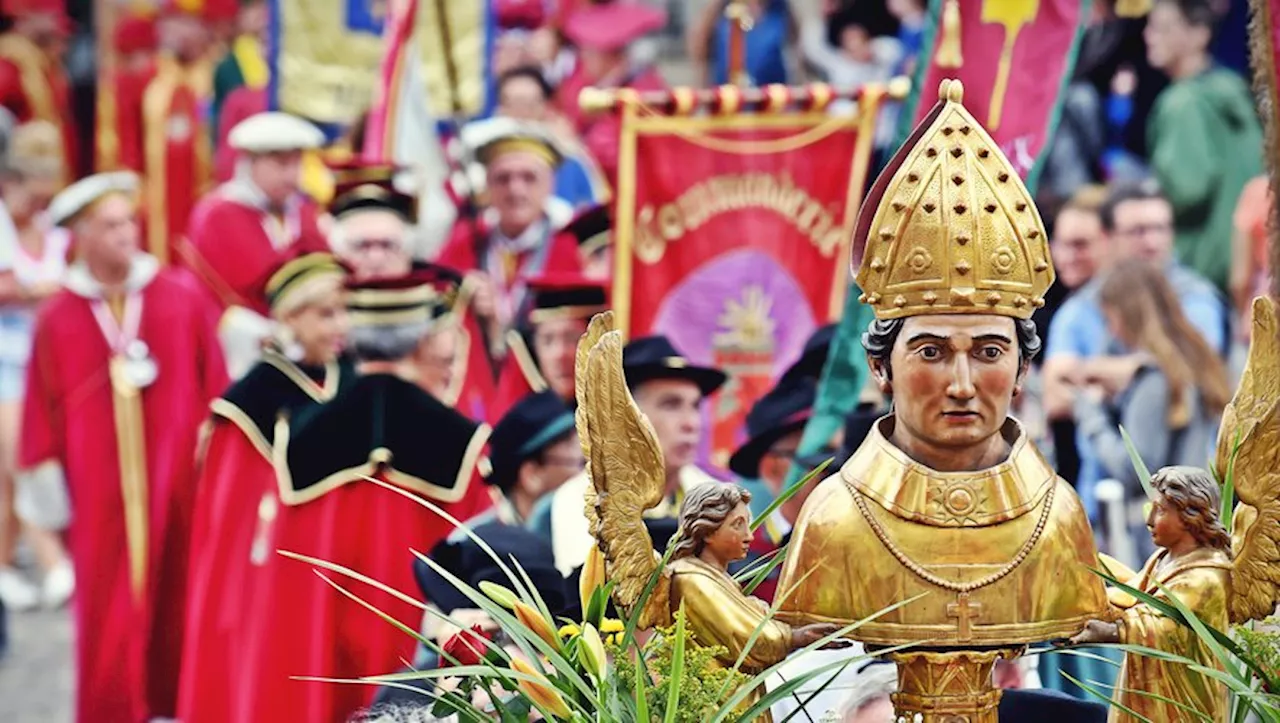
<point x="965" y="613"/>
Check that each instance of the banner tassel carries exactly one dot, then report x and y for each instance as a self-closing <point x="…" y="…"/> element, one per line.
<point x="948" y="55"/>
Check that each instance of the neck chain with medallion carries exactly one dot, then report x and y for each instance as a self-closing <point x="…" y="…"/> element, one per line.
<point x="919" y="571"/>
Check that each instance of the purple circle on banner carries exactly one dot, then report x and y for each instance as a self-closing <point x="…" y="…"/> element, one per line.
<point x="691" y="313"/>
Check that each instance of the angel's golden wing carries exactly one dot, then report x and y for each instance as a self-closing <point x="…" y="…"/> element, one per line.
<point x="1252" y="421"/>
<point x="624" y="463"/>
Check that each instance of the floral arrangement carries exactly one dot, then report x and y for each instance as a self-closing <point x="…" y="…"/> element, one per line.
<point x="596" y="669"/>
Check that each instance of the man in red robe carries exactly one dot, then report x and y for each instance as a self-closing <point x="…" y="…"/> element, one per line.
<point x="166" y="136"/>
<point x="542" y="353"/>
<point x="383" y="425"/>
<point x="515" y="238"/>
<point x="602" y="33"/>
<point x="252" y="224"/>
<point x="132" y="68"/>
<point x="373" y="232"/>
<point x="237" y="498"/>
<point x="124" y="363"/>
<point x="33" y="81"/>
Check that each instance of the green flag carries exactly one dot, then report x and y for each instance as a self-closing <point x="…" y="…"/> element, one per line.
<point x="842" y="380"/>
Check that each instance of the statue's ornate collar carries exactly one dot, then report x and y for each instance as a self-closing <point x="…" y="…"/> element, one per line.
<point x="885" y="474"/>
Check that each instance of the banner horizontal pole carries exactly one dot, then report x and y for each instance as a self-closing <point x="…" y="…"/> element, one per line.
<point x="732" y="99"/>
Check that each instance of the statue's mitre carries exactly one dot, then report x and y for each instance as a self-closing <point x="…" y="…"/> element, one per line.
<point x="949" y="227"/>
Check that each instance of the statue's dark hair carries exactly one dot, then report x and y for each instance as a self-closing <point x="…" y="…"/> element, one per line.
<point x="705" y="509"/>
<point x="1195" y="494"/>
<point x="881" y="334"/>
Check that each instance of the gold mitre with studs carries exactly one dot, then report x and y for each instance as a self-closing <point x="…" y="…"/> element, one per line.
<point x="949" y="227"/>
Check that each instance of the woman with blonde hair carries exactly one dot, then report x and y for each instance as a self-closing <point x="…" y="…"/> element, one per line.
<point x="1170" y="408"/>
<point x="33" y="259"/>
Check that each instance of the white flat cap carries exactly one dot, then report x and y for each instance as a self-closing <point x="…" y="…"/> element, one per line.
<point x="272" y="132"/>
<point x="496" y="136"/>
<point x="80" y="195"/>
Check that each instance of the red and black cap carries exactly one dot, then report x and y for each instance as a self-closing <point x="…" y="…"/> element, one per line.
<point x="362" y="185"/>
<point x="416" y="297"/>
<point x="591" y="229"/>
<point x="566" y="295"/>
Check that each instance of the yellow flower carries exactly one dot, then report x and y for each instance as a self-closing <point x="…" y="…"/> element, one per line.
<point x="540" y="690"/>
<point x="568" y="631"/>
<point x="610" y="625"/>
<point x="592" y="576"/>
<point x="533" y="620"/>
<point x="593" y="658"/>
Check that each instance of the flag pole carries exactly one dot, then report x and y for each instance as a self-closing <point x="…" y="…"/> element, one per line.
<point x="450" y="65"/>
<point x="740" y="23"/>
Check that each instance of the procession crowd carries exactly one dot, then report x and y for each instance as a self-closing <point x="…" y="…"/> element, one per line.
<point x="209" y="336"/>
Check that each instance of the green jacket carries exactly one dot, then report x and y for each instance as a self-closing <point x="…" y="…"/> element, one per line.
<point x="1204" y="144"/>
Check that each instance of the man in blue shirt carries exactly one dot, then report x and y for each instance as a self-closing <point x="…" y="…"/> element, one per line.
<point x="1137" y="222"/>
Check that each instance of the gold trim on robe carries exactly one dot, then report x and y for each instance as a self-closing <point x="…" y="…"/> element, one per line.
<point x="525" y="361"/>
<point x="380" y="461"/>
<point x="33" y="66"/>
<point x="157" y="105"/>
<point x="126" y="405"/>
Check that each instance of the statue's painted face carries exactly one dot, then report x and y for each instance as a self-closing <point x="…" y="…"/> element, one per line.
<point x="954" y="378"/>
<point x="1165" y="523"/>
<point x="732" y="540"/>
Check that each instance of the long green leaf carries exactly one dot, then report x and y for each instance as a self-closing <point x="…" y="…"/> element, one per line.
<point x="1144" y="475"/>
<point x="676" y="674"/>
<point x="1174" y="613"/>
<point x="804" y="704"/>
<point x="525" y="594"/>
<point x="642" y="688"/>
<point x="1102" y="696"/>
<point x="760" y="678"/>
<point x="1227" y="516"/>
<point x="750" y="569"/>
<point x="763" y="574"/>
<point x="787" y="494"/>
<point x="348" y="572"/>
<point x="1163" y="699"/>
<point x="525" y="639"/>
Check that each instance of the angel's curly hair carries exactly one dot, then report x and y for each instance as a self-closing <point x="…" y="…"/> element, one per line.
<point x="1195" y="495"/>
<point x="705" y="508"/>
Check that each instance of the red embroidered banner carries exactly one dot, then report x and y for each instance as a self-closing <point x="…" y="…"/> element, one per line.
<point x="732" y="238"/>
<point x="1015" y="59"/>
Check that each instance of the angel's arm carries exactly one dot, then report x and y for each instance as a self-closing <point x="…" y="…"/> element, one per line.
<point x="1201" y="590"/>
<point x="720" y="616"/>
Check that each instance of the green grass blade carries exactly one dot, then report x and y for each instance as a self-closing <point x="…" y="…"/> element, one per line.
<point x="1227" y="516"/>
<point x="762" y="575"/>
<point x="1102" y="696"/>
<point x="642" y="688"/>
<point x="747" y="571"/>
<point x="516" y="583"/>
<point x="525" y="639"/>
<point x="676" y="674"/>
<point x="787" y="494"/>
<point x="804" y="704"/>
<point x="1155" y="696"/>
<point x="352" y="574"/>
<point x="1144" y="475"/>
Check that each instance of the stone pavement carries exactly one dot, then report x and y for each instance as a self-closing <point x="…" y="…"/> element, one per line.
<point x="36" y="678"/>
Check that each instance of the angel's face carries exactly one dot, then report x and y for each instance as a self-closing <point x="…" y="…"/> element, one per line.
<point x="732" y="540"/>
<point x="1165" y="523"/>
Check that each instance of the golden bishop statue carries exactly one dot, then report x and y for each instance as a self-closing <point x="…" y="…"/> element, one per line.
<point x="947" y="496"/>
<point x="947" y="503"/>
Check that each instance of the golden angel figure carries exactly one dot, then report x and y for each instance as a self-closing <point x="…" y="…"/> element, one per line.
<point x="626" y="471"/>
<point x="1222" y="580"/>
